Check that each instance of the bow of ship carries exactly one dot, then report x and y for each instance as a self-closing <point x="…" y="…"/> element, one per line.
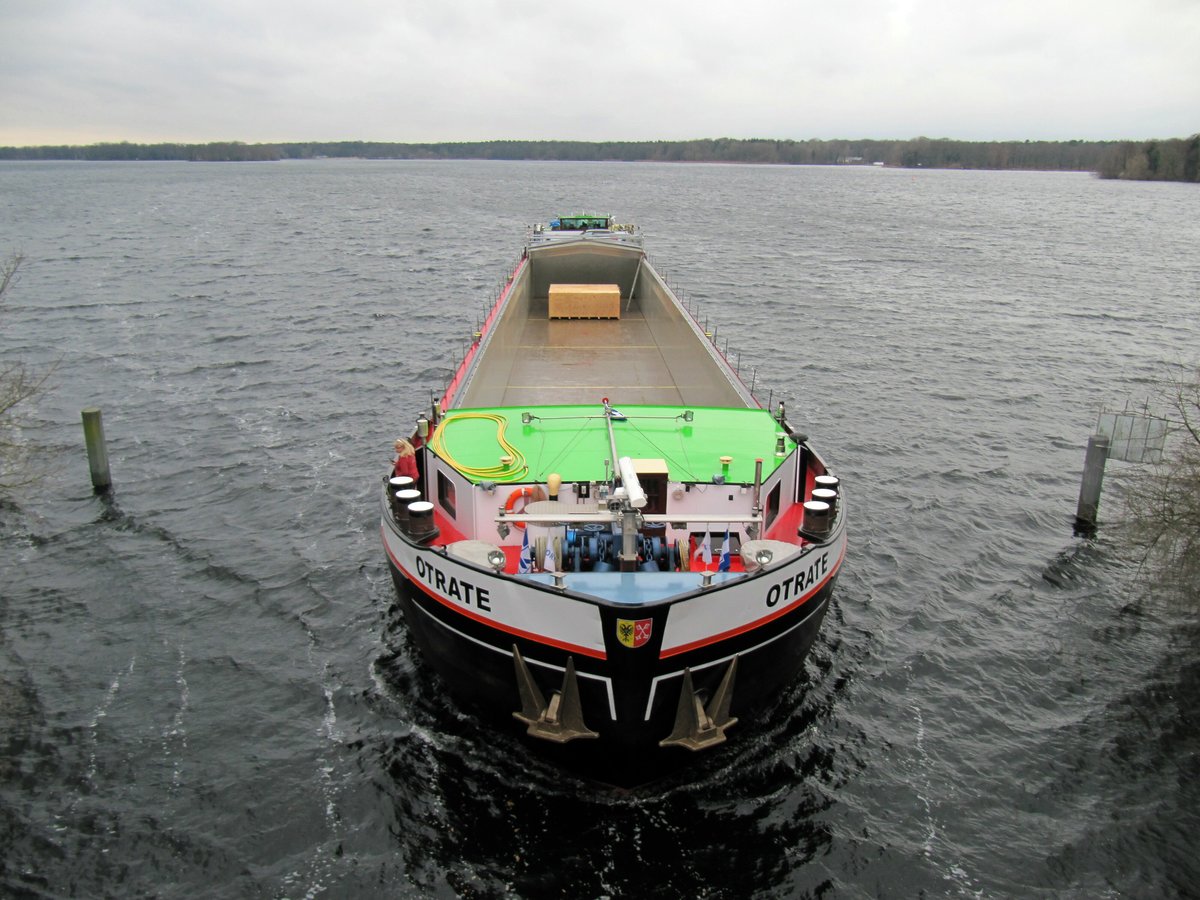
<point x="609" y="543"/>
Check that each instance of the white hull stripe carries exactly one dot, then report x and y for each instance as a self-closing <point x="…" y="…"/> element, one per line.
<point x="612" y="703"/>
<point x="757" y="623"/>
<point x="490" y="622"/>
<point x="725" y="659"/>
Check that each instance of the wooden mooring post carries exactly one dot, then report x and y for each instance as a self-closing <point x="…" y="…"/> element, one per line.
<point x="97" y="450"/>
<point x="1089" y="490"/>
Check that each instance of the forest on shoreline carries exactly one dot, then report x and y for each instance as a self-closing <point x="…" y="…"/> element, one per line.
<point x="1175" y="159"/>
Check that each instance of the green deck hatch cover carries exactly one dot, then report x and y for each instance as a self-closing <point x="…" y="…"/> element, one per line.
<point x="573" y="441"/>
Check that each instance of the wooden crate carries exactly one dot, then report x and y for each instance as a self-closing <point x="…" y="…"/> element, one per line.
<point x="585" y="301"/>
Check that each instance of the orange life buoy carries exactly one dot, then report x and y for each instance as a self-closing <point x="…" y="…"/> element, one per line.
<point x="523" y="495"/>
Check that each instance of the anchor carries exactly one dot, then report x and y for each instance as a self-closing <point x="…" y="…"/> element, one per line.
<point x="561" y="719"/>
<point x="698" y="726"/>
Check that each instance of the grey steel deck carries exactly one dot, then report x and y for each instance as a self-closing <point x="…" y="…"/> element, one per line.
<point x="582" y="360"/>
<point x="653" y="354"/>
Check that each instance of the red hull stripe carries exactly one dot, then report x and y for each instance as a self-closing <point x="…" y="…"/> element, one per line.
<point x="750" y="626"/>
<point x="492" y="623"/>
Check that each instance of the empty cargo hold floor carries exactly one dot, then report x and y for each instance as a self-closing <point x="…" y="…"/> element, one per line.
<point x="582" y="360"/>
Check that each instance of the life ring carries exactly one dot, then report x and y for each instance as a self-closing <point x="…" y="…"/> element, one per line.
<point x="524" y="496"/>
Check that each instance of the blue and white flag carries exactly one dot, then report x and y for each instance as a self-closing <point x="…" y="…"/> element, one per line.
<point x="704" y="551"/>
<point x="525" y="565"/>
<point x="723" y="565"/>
<point x="549" y="565"/>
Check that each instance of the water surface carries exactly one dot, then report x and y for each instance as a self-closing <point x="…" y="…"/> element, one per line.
<point x="204" y="690"/>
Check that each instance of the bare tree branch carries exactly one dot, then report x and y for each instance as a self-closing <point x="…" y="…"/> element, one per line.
<point x="8" y="271"/>
<point x="1162" y="504"/>
<point x="17" y="384"/>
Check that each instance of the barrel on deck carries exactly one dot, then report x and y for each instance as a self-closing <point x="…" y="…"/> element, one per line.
<point x="420" y="521"/>
<point x="828" y="482"/>
<point x="825" y="495"/>
<point x="817" y="522"/>
<point x="395" y="485"/>
<point x="401" y="502"/>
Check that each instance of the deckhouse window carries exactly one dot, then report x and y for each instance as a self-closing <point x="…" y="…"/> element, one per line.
<point x="772" y="507"/>
<point x="445" y="493"/>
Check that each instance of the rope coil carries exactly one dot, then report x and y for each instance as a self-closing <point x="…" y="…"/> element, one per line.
<point x="503" y="471"/>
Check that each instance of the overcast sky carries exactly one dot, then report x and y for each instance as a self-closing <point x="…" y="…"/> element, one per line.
<point x="81" y="71"/>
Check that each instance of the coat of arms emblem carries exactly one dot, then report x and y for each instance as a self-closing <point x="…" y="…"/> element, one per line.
<point x="634" y="632"/>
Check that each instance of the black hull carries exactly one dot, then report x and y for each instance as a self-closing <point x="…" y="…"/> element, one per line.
<point x="630" y="698"/>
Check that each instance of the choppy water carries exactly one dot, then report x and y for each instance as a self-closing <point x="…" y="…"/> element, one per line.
<point x="203" y="690"/>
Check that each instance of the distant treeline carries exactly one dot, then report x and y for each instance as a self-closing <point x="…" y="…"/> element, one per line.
<point x="1167" y="159"/>
<point x="1075" y="155"/>
<point x="224" y="151"/>
<point x="1177" y="159"/>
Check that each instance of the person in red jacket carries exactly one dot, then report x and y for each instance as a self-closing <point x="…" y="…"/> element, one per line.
<point x="406" y="460"/>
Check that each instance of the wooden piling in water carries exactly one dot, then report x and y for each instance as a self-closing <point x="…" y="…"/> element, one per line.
<point x="1093" y="477"/>
<point x="93" y="435"/>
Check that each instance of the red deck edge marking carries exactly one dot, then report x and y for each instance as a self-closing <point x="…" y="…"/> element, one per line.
<point x="750" y="626"/>
<point x="785" y="524"/>
<point x="491" y="623"/>
<point x="448" y="533"/>
<point x="453" y="386"/>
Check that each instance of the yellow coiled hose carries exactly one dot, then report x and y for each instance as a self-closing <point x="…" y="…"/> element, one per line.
<point x="512" y="471"/>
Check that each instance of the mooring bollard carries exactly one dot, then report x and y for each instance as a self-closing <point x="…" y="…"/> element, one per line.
<point x="93" y="434"/>
<point x="1093" y="478"/>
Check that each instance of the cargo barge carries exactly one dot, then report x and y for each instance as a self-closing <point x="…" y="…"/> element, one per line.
<point x="606" y="541"/>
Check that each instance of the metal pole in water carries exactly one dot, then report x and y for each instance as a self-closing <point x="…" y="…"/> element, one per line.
<point x="93" y="435"/>
<point x="1093" y="478"/>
